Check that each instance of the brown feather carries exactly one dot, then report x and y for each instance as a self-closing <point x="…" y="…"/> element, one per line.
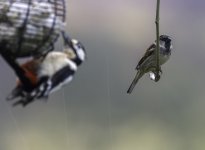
<point x="148" y="52"/>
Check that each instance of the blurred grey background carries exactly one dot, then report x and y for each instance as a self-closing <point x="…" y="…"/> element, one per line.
<point x="94" y="112"/>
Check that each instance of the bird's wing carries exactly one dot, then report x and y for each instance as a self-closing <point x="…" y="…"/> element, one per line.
<point x="62" y="76"/>
<point x="54" y="83"/>
<point x="148" y="52"/>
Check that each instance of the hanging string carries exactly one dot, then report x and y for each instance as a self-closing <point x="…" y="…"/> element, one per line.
<point x="66" y="117"/>
<point x="64" y="98"/>
<point x="109" y="104"/>
<point x="15" y="122"/>
<point x="157" y="38"/>
<point x="65" y="113"/>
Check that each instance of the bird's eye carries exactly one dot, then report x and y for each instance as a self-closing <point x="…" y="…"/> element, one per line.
<point x="79" y="46"/>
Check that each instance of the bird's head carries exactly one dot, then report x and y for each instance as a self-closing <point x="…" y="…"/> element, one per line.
<point x="74" y="49"/>
<point x="165" y="38"/>
<point x="167" y="41"/>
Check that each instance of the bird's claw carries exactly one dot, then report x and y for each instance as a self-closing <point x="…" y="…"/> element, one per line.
<point x="157" y="77"/>
<point x="160" y="70"/>
<point x="158" y="74"/>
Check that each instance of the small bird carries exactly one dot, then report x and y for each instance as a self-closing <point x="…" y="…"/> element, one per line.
<point x="148" y="62"/>
<point x="49" y="73"/>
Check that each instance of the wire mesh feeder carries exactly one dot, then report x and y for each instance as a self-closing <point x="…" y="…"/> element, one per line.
<point x="30" y="27"/>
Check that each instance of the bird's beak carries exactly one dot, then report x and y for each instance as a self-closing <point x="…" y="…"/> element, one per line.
<point x="67" y="39"/>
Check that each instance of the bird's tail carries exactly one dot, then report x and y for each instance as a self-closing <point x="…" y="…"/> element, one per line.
<point x="16" y="92"/>
<point x="134" y="82"/>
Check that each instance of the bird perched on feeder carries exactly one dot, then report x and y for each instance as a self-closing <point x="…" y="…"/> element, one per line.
<point x="49" y="73"/>
<point x="148" y="62"/>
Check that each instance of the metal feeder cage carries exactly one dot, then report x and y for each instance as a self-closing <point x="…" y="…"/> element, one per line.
<point x="31" y="27"/>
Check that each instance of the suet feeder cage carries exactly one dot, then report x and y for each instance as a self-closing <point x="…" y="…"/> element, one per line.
<point x="31" y="27"/>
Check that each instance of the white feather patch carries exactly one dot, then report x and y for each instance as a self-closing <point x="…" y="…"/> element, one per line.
<point x="70" y="78"/>
<point x="152" y="76"/>
<point x="55" y="61"/>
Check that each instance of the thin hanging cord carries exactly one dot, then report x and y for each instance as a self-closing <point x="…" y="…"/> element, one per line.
<point x="109" y="97"/>
<point x="64" y="99"/>
<point x="157" y="39"/>
<point x="13" y="118"/>
<point x="66" y="117"/>
<point x="65" y="114"/>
